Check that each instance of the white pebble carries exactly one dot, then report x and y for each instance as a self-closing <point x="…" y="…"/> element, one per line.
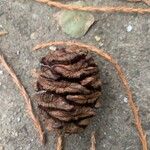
<point x="34" y="36"/>
<point x="129" y="28"/>
<point x="110" y="137"/>
<point x="52" y="48"/>
<point x="108" y="25"/>
<point x="101" y="44"/>
<point x="14" y="134"/>
<point x="32" y="140"/>
<point x="125" y="100"/>
<point x="97" y="38"/>
<point x="18" y="52"/>
<point x="1" y="72"/>
<point x="18" y="119"/>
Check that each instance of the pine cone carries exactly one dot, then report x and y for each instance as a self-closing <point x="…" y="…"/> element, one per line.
<point x="69" y="88"/>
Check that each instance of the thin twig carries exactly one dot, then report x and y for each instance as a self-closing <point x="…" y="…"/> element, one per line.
<point x="106" y="9"/>
<point x="59" y="145"/>
<point x="93" y="141"/>
<point x="26" y="98"/>
<point x="3" y="33"/>
<point x="121" y="74"/>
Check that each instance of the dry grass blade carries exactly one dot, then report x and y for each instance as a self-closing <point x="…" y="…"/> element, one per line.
<point x="93" y="141"/>
<point x="106" y="9"/>
<point x="26" y="97"/>
<point x="121" y="74"/>
<point x="59" y="145"/>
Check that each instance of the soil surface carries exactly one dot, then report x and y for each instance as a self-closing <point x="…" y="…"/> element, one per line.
<point x="125" y="36"/>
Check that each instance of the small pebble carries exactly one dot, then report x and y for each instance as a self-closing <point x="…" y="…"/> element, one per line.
<point x="1" y="72"/>
<point x="14" y="133"/>
<point x="27" y="61"/>
<point x="33" y="36"/>
<point x="52" y="48"/>
<point x="129" y="28"/>
<point x="97" y="38"/>
<point x="101" y="44"/>
<point x="18" y="119"/>
<point x="108" y="25"/>
<point x="104" y="145"/>
<point x="125" y="100"/>
<point x="18" y="52"/>
<point x="1" y="26"/>
<point x="31" y="140"/>
<point x="0" y="83"/>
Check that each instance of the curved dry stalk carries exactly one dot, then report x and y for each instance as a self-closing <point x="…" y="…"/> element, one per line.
<point x="26" y="98"/>
<point x="121" y="74"/>
<point x="106" y="9"/>
<point x="93" y="141"/>
<point x="3" y="33"/>
<point x="59" y="145"/>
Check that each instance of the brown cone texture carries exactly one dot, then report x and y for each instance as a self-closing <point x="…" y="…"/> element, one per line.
<point x="68" y="89"/>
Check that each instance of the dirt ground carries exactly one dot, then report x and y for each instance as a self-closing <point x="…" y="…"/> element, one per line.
<point x="125" y="36"/>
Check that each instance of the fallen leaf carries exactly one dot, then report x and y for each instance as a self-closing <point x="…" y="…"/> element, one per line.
<point x="75" y="23"/>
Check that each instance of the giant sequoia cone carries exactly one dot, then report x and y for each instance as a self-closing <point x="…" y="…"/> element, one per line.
<point x="68" y="89"/>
